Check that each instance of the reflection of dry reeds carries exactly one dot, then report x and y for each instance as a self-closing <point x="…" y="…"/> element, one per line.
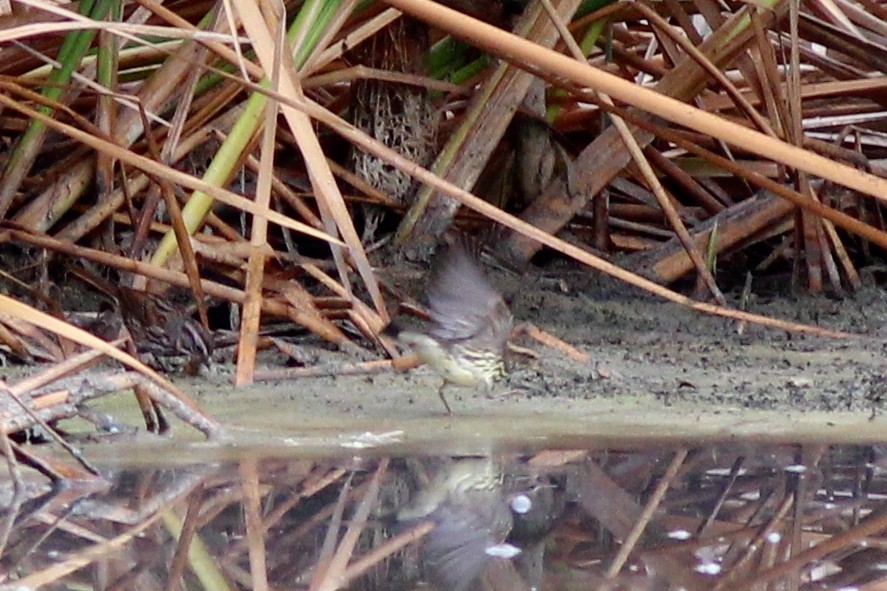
<point x="716" y="517"/>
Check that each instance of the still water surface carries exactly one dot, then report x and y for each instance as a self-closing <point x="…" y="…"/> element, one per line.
<point x="716" y="517"/>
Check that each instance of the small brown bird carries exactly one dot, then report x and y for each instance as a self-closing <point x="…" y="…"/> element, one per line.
<point x="163" y="330"/>
<point x="471" y="323"/>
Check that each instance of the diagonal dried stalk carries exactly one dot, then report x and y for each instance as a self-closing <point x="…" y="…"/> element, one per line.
<point x="154" y="167"/>
<point x="541" y="237"/>
<point x="665" y="202"/>
<point x="469" y="149"/>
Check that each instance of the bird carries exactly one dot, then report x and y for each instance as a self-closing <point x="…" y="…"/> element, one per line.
<point x="165" y="334"/>
<point x="471" y="520"/>
<point x="162" y="329"/>
<point x="162" y="333"/>
<point x="470" y="322"/>
<point x="483" y="508"/>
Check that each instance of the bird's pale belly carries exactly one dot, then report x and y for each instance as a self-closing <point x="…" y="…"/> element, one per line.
<point x="453" y="369"/>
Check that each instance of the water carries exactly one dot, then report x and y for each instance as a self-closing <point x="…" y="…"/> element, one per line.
<point x="623" y="515"/>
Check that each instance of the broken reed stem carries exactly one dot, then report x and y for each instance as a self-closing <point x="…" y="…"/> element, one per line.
<point x="549" y="340"/>
<point x="255" y="530"/>
<point x="339" y="562"/>
<point x="386" y="549"/>
<point x="632" y="539"/>
<point x="84" y="558"/>
<point x="316" y="371"/>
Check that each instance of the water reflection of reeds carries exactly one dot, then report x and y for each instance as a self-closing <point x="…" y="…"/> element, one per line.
<point x="724" y="518"/>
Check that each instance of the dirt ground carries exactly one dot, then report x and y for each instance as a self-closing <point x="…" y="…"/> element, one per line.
<point x="674" y="354"/>
<point x="658" y="371"/>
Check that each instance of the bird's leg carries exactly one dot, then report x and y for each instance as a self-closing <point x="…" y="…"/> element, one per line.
<point x="440" y="392"/>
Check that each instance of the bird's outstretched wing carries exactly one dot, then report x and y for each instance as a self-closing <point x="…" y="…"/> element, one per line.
<point x="463" y="303"/>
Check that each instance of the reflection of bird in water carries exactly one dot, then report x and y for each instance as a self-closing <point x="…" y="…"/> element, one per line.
<point x="471" y="323"/>
<point x="478" y="507"/>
